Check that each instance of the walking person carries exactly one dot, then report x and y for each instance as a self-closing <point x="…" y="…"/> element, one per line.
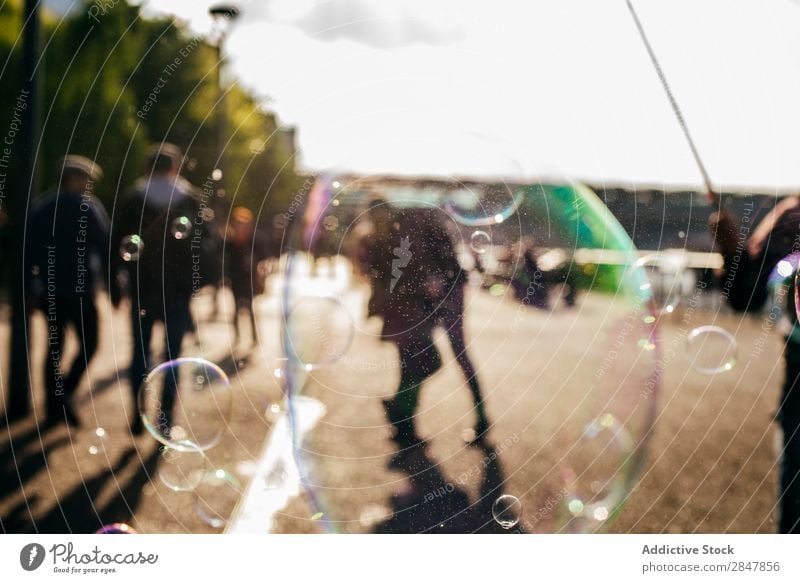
<point x="243" y="251"/>
<point x="375" y="255"/>
<point x="178" y="256"/>
<point x="427" y="292"/>
<point x="749" y="260"/>
<point x="66" y="258"/>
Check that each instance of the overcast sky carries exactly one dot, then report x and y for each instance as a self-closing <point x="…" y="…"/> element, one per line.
<point x="528" y="88"/>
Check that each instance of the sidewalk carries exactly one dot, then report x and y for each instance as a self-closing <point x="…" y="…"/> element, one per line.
<point x="711" y="465"/>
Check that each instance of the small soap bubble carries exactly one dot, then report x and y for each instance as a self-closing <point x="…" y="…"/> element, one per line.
<point x="507" y="510"/>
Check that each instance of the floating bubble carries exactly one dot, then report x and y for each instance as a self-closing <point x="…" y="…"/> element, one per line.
<point x="98" y="438"/>
<point x="116" y="528"/>
<point x="181" y="228"/>
<point x="318" y="332"/>
<point x="665" y="280"/>
<point x="711" y="349"/>
<point x="507" y="510"/>
<point x="480" y="241"/>
<point x="216" y="496"/>
<point x="797" y="295"/>
<point x="482" y="205"/>
<point x="186" y="400"/>
<point x="598" y="477"/>
<point x="346" y="449"/>
<point x="182" y="469"/>
<point x="131" y="247"/>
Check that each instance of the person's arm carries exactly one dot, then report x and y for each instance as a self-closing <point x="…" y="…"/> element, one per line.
<point x="747" y="261"/>
<point x="760" y="236"/>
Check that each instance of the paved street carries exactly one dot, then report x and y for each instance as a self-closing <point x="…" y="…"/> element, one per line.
<point x="711" y="465"/>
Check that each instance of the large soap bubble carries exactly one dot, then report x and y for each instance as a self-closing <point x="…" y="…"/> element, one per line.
<point x="186" y="403"/>
<point x="556" y="392"/>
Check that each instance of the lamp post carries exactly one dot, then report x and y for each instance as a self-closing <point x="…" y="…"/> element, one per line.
<point x="223" y="15"/>
<point x="27" y="187"/>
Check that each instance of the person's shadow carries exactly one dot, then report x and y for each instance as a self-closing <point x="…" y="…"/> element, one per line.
<point x="76" y="512"/>
<point x="434" y="504"/>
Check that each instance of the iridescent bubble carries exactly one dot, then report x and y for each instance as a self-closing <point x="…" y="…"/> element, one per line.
<point x="116" y="528"/>
<point x="665" y="280"/>
<point x="216" y="496"/>
<point x="507" y="510"/>
<point x="480" y="241"/>
<point x="711" y="349"/>
<point x="318" y="332"/>
<point x="131" y="247"/>
<point x="797" y="295"/>
<point x="597" y="479"/>
<point x="480" y="205"/>
<point x="182" y="469"/>
<point x="352" y="441"/>
<point x="186" y="400"/>
<point x="782" y="287"/>
<point x="181" y="228"/>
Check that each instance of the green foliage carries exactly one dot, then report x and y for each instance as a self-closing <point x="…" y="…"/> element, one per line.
<point x="112" y="87"/>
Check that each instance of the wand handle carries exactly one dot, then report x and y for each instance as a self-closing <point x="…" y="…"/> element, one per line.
<point x="713" y="196"/>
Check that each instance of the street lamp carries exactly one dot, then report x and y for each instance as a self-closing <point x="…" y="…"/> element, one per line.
<point x="223" y="15"/>
<point x="25" y="155"/>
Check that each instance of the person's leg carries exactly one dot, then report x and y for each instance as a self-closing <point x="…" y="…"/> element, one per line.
<point x="790" y="475"/>
<point x="142" y="331"/>
<point x="83" y="315"/>
<point x="176" y="326"/>
<point x="419" y="360"/>
<point x="58" y="410"/>
<point x="236" y="330"/>
<point x="251" y="311"/>
<point x="790" y="423"/>
<point x="455" y="333"/>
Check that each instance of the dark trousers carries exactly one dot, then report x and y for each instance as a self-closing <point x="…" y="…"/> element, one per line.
<point x="61" y="380"/>
<point x="790" y="423"/>
<point x="177" y="323"/>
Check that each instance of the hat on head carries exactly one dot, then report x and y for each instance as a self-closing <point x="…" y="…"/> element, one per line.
<point x="82" y="164"/>
<point x="164" y="156"/>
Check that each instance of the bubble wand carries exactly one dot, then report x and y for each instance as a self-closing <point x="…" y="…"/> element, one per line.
<point x="712" y="195"/>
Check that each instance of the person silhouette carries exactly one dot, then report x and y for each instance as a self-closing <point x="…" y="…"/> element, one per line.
<point x="67" y="251"/>
<point x="427" y="292"/>
<point x="179" y="255"/>
<point x="748" y="263"/>
<point x="375" y="255"/>
<point x="242" y="254"/>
